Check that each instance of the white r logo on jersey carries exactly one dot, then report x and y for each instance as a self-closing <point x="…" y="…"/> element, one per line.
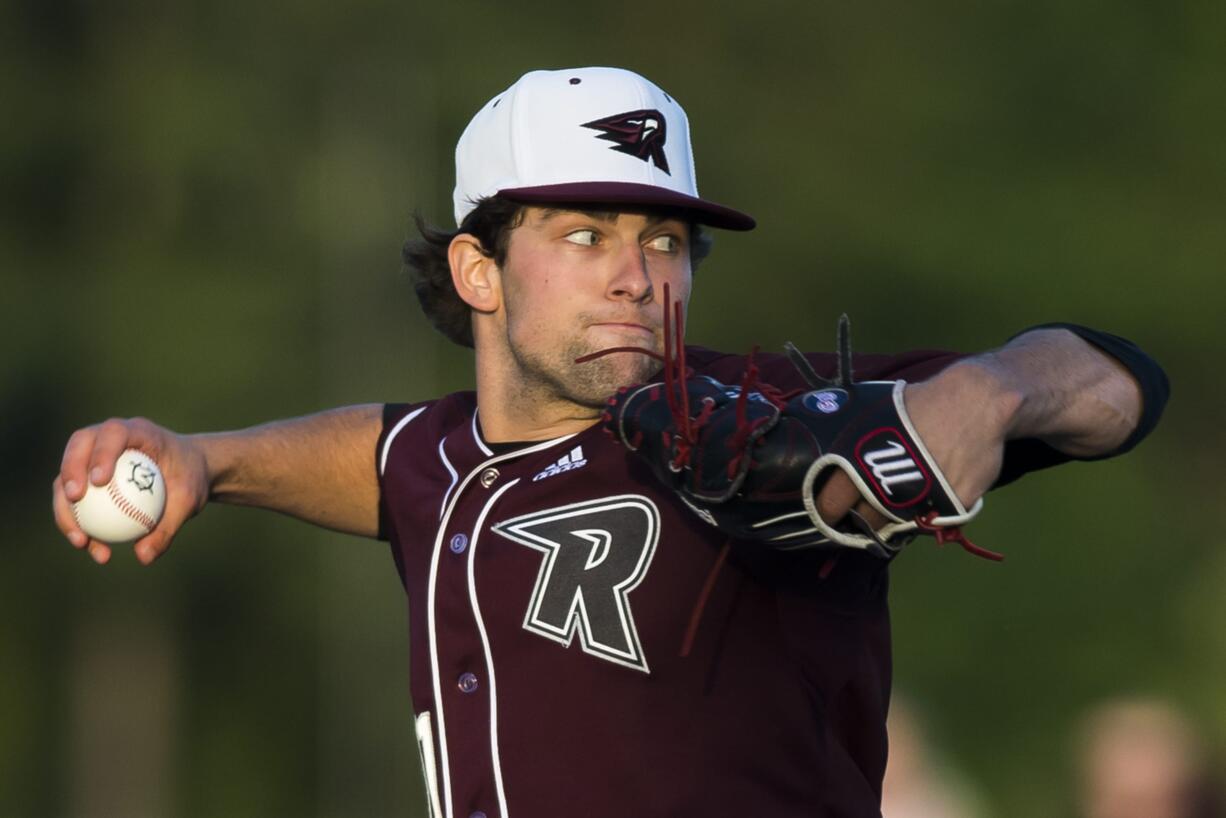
<point x="596" y="553"/>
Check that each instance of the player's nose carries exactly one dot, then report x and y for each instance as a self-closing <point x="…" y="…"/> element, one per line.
<point x="631" y="278"/>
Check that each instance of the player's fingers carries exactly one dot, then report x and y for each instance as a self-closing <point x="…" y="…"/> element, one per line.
<point x="65" y="521"/>
<point x="837" y="497"/>
<point x="99" y="551"/>
<point x="157" y="542"/>
<point x="154" y="544"/>
<point x="74" y="465"/>
<point x="179" y="509"/>
<point x="871" y="515"/>
<point x="113" y="437"/>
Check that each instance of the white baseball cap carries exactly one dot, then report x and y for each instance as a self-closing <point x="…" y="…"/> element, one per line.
<point x="583" y="135"/>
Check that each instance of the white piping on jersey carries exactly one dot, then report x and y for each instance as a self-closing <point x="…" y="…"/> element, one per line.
<point x="794" y="534"/>
<point x="387" y="443"/>
<point x="444" y="761"/>
<point x="791" y="535"/>
<point x="779" y="519"/>
<point x="477" y="437"/>
<point x="454" y="477"/>
<point x="485" y="644"/>
<point x="425" y="746"/>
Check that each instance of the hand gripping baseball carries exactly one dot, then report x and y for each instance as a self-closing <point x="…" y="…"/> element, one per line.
<point x="752" y="460"/>
<point x="90" y="457"/>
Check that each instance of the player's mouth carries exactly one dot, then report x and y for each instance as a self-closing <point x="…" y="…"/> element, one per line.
<point x="623" y="336"/>
<point x="673" y="332"/>
<point x="631" y="328"/>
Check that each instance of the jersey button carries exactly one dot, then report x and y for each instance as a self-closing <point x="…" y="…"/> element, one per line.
<point x="467" y="683"/>
<point x="488" y="477"/>
<point x="458" y="543"/>
<point x="477" y="814"/>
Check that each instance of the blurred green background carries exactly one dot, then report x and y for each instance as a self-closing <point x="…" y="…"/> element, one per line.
<point x="203" y="209"/>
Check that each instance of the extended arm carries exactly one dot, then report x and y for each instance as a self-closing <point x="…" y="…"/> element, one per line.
<point x="1047" y="384"/>
<point x="319" y="468"/>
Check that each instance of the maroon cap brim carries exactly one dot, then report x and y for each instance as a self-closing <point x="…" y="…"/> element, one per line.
<point x="704" y="212"/>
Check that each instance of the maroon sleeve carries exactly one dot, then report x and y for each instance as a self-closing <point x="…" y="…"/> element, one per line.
<point x="777" y="370"/>
<point x="394" y="416"/>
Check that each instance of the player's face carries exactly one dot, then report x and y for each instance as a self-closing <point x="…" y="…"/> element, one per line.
<point x="577" y="282"/>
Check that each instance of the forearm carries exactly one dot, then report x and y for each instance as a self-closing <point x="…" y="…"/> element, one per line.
<point x="319" y="468"/>
<point x="1060" y="389"/>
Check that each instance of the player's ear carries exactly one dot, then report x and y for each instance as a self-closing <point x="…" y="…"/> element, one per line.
<point x="474" y="274"/>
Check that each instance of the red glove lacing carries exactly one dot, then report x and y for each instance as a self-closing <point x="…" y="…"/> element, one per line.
<point x="686" y="427"/>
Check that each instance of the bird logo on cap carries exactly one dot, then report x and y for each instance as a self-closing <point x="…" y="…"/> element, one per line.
<point x="638" y="133"/>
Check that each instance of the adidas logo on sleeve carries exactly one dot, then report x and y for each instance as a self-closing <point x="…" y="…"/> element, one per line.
<point x="571" y="460"/>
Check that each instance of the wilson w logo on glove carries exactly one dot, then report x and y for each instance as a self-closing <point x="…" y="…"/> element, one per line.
<point x="891" y="464"/>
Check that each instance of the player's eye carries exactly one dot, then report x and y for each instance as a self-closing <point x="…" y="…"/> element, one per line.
<point x="665" y="244"/>
<point x="586" y="237"/>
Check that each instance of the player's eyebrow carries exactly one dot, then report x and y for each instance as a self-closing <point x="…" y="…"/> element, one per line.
<point x="603" y="215"/>
<point x="610" y="216"/>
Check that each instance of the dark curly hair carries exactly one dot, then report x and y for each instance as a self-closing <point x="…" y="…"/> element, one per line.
<point x="491" y="222"/>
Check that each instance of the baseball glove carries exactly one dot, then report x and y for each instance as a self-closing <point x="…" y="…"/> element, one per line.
<point x="750" y="459"/>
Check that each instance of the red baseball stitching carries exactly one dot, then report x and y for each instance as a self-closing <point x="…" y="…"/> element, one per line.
<point x="128" y="508"/>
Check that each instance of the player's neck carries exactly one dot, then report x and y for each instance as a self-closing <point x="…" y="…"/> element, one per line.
<point x="513" y="410"/>
<point x="507" y="417"/>
<point x="506" y="427"/>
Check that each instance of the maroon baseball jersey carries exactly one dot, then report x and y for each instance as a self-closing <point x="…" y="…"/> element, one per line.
<point x="551" y="588"/>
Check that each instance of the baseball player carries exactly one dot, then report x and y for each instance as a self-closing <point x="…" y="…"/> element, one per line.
<point x="598" y="624"/>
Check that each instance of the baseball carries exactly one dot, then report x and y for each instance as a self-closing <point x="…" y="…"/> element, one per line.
<point x="129" y="506"/>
